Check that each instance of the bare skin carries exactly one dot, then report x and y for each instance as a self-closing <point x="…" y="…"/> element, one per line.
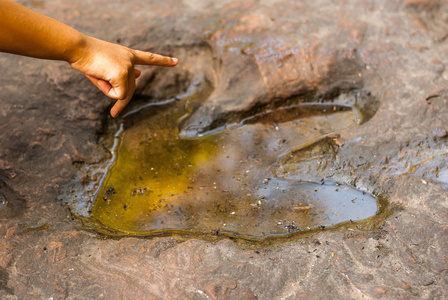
<point x="110" y="67"/>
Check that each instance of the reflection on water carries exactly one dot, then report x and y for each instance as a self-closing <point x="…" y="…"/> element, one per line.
<point x="223" y="182"/>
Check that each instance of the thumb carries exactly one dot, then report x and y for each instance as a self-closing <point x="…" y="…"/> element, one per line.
<point x="148" y="58"/>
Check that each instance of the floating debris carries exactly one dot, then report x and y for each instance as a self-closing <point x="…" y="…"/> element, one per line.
<point x="222" y="183"/>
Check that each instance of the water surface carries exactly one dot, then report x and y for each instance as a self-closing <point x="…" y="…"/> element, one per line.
<point x="223" y="181"/>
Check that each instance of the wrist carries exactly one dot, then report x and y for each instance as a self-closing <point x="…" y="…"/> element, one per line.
<point x="77" y="48"/>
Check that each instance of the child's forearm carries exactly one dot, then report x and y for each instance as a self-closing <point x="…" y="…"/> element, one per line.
<point x="25" y="32"/>
<point x="108" y="66"/>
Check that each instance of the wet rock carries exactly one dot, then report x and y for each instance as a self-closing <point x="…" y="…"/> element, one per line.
<point x="11" y="204"/>
<point x="440" y="132"/>
<point x="261" y="64"/>
<point x="309" y="164"/>
<point x="50" y="117"/>
<point x="4" y="277"/>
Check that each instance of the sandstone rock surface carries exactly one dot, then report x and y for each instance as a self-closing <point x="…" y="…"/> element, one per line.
<point x="245" y="55"/>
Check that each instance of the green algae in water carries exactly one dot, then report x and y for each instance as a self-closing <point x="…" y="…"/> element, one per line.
<point x="223" y="182"/>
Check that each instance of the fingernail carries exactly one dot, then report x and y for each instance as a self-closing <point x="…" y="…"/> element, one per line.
<point x="175" y="60"/>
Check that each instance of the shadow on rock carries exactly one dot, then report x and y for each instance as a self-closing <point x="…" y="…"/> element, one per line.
<point x="260" y="66"/>
<point x="11" y="205"/>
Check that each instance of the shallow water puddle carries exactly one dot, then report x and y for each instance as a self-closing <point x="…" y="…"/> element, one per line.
<point x="223" y="182"/>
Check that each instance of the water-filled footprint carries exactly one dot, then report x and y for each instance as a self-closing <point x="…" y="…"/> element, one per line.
<point x="223" y="181"/>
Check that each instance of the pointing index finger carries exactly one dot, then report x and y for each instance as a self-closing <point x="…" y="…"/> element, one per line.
<point x="148" y="58"/>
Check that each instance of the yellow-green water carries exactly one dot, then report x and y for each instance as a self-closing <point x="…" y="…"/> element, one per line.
<point x="224" y="182"/>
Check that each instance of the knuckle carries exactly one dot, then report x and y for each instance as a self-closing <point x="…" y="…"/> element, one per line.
<point x="123" y="73"/>
<point x="151" y="56"/>
<point x="117" y="76"/>
<point x="120" y="94"/>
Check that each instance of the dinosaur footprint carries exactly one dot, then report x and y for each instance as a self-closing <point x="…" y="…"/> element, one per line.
<point x="223" y="181"/>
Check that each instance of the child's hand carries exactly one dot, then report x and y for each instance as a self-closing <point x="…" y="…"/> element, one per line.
<point x="110" y="67"/>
